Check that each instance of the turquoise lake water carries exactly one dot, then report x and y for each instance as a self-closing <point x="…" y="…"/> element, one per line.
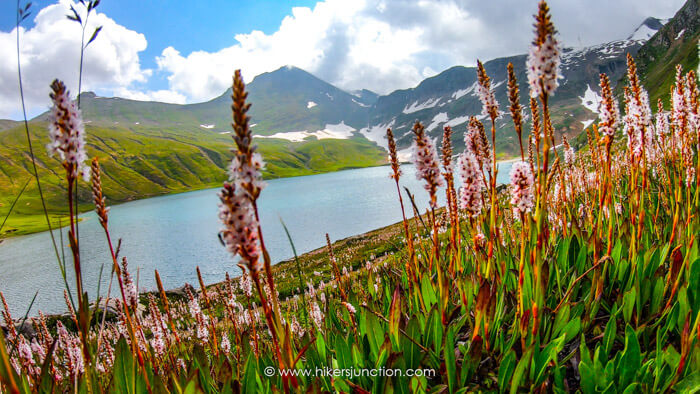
<point x="176" y="233"/>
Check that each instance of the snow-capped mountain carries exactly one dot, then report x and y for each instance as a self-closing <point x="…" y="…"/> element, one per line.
<point x="293" y="105"/>
<point x="450" y="98"/>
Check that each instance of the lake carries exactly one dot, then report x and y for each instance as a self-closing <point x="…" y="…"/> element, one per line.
<point x="178" y="232"/>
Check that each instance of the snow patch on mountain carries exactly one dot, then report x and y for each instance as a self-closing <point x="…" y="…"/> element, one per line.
<point x="587" y="123"/>
<point x="377" y="133"/>
<point x="437" y="119"/>
<point x="415" y="107"/>
<point x="293" y="136"/>
<point x="463" y="92"/>
<point x="643" y="32"/>
<point x="680" y="33"/>
<point x="457" y="121"/>
<point x="311" y="104"/>
<point x="339" y="131"/>
<point x="207" y="126"/>
<point x="591" y="100"/>
<point x="360" y="104"/>
<point x="608" y="50"/>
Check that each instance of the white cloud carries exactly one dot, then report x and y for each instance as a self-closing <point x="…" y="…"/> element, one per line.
<point x="390" y="44"/>
<point x="163" y="96"/>
<point x="51" y="49"/>
<point x="381" y="45"/>
<point x="353" y="44"/>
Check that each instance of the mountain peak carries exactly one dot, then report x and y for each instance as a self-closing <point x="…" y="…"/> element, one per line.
<point x="87" y="95"/>
<point x="647" y="29"/>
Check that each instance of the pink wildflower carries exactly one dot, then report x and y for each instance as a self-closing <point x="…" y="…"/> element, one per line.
<point x="425" y="157"/>
<point x="472" y="183"/>
<point x="544" y="57"/>
<point x="67" y="132"/>
<point x="521" y="181"/>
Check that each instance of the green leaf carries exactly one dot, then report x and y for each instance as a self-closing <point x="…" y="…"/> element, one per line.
<point x="321" y="347"/>
<point x="609" y="335"/>
<point x="395" y="316"/>
<point x="429" y="296"/>
<point x="628" y="304"/>
<point x="548" y="354"/>
<point x="374" y="334"/>
<point x="342" y="353"/>
<point x="694" y="286"/>
<point x="505" y="371"/>
<point x="631" y="360"/>
<point x="587" y="378"/>
<point x="450" y="361"/>
<point x="250" y="375"/>
<point x="560" y="320"/>
<point x="657" y="296"/>
<point x="520" y="371"/>
<point x="124" y="368"/>
<point x="691" y="384"/>
<point x="572" y="329"/>
<point x="94" y="35"/>
<point x="411" y="351"/>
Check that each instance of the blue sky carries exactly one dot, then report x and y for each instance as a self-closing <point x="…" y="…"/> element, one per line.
<point x="186" y="51"/>
<point x="190" y="25"/>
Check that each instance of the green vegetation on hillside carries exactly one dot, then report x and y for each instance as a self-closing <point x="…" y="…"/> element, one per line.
<point x="149" y="160"/>
<point x="675" y="43"/>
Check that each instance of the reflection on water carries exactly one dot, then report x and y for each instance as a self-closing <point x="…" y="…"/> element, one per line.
<point x="175" y="233"/>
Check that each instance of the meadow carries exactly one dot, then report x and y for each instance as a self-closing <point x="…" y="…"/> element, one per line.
<point x="580" y="275"/>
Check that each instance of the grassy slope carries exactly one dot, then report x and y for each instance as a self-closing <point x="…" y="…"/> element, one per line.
<point x="676" y="43"/>
<point x="659" y="74"/>
<point x="657" y="58"/>
<point x="152" y="160"/>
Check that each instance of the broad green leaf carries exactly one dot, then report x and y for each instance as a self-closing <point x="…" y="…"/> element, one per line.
<point x="450" y="361"/>
<point x="609" y="335"/>
<point x="520" y="371"/>
<point x="411" y="351"/>
<point x="250" y="375"/>
<point x="628" y="304"/>
<point x="587" y="378"/>
<point x="505" y="371"/>
<point x="124" y="368"/>
<point x="429" y="296"/>
<point x="342" y="353"/>
<point x="631" y="359"/>
<point x="572" y="329"/>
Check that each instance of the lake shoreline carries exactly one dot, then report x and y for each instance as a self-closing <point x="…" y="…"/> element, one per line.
<point x="175" y="234"/>
<point x="312" y="264"/>
<point x="43" y="228"/>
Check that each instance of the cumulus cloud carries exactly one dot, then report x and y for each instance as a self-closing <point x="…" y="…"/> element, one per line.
<point x="390" y="44"/>
<point x="51" y="49"/>
<point x="381" y="45"/>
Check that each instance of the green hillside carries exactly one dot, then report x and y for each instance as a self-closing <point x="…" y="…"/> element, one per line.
<point x="675" y="43"/>
<point x="150" y="148"/>
<point x="148" y="160"/>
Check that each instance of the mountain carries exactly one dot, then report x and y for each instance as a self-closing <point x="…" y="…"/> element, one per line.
<point x="675" y="43"/>
<point x="151" y="148"/>
<point x="449" y="98"/>
<point x="647" y="29"/>
<point x="304" y="125"/>
<point x="7" y="124"/>
<point x="366" y="96"/>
